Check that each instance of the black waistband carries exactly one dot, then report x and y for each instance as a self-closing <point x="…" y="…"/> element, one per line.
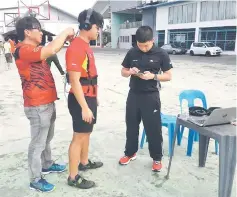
<point x="88" y="81"/>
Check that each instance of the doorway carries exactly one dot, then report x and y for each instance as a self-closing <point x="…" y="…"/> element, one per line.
<point x="134" y="41"/>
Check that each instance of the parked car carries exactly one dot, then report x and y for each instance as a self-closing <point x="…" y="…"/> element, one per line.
<point x="172" y="48"/>
<point x="204" y="48"/>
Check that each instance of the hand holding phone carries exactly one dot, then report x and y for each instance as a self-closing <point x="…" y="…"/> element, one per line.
<point x="140" y="73"/>
<point x="134" y="70"/>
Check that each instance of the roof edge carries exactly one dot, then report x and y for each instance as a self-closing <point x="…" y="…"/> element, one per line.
<point x="161" y="4"/>
<point x="52" y="6"/>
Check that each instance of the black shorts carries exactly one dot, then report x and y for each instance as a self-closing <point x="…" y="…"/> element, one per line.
<point x="79" y="125"/>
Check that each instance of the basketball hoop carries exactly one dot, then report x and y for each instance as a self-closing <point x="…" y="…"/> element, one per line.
<point x="41" y="11"/>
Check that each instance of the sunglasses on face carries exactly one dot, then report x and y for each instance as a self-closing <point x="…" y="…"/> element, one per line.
<point x="38" y="28"/>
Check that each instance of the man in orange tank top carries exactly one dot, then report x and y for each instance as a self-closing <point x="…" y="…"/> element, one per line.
<point x="82" y="99"/>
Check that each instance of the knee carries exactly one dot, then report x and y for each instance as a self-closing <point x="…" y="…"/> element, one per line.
<point x="40" y="146"/>
<point x="78" y="137"/>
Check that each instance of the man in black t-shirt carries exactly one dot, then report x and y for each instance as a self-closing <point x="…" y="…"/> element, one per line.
<point x="144" y="64"/>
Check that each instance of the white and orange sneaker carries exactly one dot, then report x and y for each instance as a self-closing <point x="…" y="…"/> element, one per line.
<point x="126" y="160"/>
<point x="156" y="167"/>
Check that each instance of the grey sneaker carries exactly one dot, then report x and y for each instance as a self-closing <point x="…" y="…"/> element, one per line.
<point x="80" y="182"/>
<point x="90" y="165"/>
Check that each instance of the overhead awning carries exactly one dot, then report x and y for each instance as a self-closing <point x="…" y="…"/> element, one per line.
<point x="102" y="7"/>
<point x="160" y="4"/>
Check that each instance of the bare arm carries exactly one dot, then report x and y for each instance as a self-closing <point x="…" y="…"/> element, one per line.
<point x="166" y="76"/>
<point x="77" y="88"/>
<point x="55" y="46"/>
<point x="125" y="72"/>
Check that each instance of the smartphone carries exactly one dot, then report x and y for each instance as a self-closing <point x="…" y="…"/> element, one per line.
<point x="140" y="73"/>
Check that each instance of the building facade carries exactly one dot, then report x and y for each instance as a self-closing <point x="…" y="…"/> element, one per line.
<point x="183" y="22"/>
<point x="124" y="18"/>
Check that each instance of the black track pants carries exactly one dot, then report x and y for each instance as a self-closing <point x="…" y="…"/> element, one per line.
<point x="145" y="107"/>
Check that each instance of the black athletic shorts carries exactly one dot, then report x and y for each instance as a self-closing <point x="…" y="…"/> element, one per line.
<point x="79" y="125"/>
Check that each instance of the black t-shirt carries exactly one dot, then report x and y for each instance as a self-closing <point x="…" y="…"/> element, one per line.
<point x="155" y="61"/>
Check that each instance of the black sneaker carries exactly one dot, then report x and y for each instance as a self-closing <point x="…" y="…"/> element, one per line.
<point x="80" y="182"/>
<point x="90" y="165"/>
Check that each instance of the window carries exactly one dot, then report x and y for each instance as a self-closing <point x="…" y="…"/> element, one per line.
<point x="217" y="10"/>
<point x="124" y="39"/>
<point x="161" y="38"/>
<point x="209" y="44"/>
<point x="182" y="38"/>
<point x="223" y="37"/>
<point x="183" y="13"/>
<point x="211" y="35"/>
<point x="195" y="44"/>
<point x="201" y="45"/>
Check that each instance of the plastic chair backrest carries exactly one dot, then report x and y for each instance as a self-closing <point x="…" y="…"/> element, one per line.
<point x="190" y="96"/>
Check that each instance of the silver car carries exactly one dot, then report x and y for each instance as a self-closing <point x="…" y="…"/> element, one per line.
<point x="173" y="49"/>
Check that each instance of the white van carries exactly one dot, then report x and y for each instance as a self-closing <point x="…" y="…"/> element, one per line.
<point x="204" y="48"/>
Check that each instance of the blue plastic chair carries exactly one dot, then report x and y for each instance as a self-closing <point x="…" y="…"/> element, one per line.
<point x="168" y="121"/>
<point x="191" y="96"/>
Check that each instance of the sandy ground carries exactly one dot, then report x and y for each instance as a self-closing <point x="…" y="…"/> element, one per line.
<point x="108" y="139"/>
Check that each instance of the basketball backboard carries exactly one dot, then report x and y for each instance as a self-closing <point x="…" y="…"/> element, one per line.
<point x="39" y="9"/>
<point x="10" y="19"/>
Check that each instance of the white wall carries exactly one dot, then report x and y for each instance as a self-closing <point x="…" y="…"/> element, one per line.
<point x="127" y="32"/>
<point x="56" y="15"/>
<point x="162" y="20"/>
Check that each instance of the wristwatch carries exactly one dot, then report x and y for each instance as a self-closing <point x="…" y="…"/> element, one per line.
<point x="155" y="77"/>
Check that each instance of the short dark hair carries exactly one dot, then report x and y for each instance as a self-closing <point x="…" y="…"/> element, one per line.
<point x="96" y="18"/>
<point x="24" y="23"/>
<point x="144" y="34"/>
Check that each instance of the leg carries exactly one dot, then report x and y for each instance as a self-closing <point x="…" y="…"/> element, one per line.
<point x="190" y="142"/>
<point x="48" y="164"/>
<point x="85" y="149"/>
<point x="75" y="153"/>
<point x="203" y="149"/>
<point x="227" y="164"/>
<point x="196" y="136"/>
<point x="143" y="138"/>
<point x="181" y="135"/>
<point x="171" y="135"/>
<point x="40" y="123"/>
<point x="177" y="127"/>
<point x="150" y="112"/>
<point x="81" y="134"/>
<point x="133" y="119"/>
<point x="46" y="154"/>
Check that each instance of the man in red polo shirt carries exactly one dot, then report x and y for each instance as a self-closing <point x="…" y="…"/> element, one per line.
<point x="39" y="94"/>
